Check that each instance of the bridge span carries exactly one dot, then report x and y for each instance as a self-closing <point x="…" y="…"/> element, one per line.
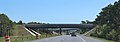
<point x="37" y="26"/>
<point x="59" y="26"/>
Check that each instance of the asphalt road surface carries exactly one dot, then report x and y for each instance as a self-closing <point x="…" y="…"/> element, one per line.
<point x="68" y="38"/>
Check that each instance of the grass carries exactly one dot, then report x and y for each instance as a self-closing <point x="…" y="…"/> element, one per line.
<point x="102" y="39"/>
<point x="21" y="35"/>
<point x="18" y="39"/>
<point x="108" y="41"/>
<point x="2" y="39"/>
<point x="105" y="40"/>
<point x="25" y="38"/>
<point x="20" y="31"/>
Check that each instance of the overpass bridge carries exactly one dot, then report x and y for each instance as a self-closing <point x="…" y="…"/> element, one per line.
<point x="59" y="26"/>
<point x="37" y="26"/>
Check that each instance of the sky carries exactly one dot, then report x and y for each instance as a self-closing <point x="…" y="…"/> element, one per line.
<point x="53" y="11"/>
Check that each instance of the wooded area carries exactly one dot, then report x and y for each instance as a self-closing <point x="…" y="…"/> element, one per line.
<point x="108" y="23"/>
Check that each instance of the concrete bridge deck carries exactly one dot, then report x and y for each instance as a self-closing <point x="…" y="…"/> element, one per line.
<point x="59" y="25"/>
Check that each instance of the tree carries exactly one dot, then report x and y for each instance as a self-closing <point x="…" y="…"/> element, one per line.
<point x="83" y="22"/>
<point x="20" y="22"/>
<point x="6" y="25"/>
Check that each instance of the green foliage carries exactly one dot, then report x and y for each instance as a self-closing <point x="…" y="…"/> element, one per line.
<point x="5" y="25"/>
<point x="83" y="30"/>
<point x="20" y="22"/>
<point x="83" y="22"/>
<point x="36" y="23"/>
<point x="108" y="22"/>
<point x="87" y="22"/>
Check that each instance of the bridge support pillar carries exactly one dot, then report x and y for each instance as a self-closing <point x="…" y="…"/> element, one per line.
<point x="60" y="31"/>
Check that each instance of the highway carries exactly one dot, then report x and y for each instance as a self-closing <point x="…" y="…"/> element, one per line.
<point x="68" y="38"/>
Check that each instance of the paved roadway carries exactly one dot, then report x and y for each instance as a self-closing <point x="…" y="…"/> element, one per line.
<point x="68" y="38"/>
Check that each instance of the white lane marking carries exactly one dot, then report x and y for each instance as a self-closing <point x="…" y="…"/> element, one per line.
<point x="82" y="39"/>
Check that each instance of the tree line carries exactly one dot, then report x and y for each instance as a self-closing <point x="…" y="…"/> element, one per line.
<point x="108" y="23"/>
